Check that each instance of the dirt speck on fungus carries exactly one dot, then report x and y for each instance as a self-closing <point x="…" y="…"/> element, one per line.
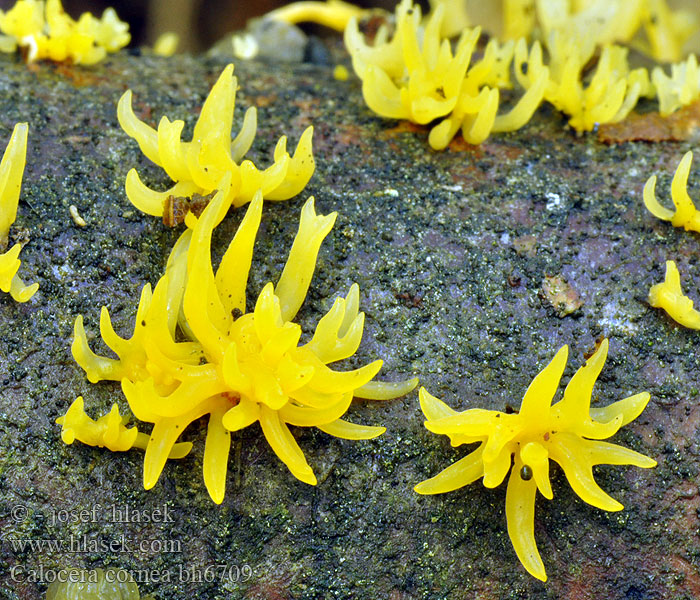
<point x="433" y="260"/>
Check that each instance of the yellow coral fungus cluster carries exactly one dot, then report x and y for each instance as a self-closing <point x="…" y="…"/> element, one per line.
<point x="45" y="31"/>
<point x="237" y="367"/>
<point x="198" y="166"/>
<point x="612" y="91"/>
<point x="604" y="22"/>
<point x="680" y="88"/>
<point x="416" y="76"/>
<point x="600" y="21"/>
<point x="567" y="432"/>
<point x="11" y="171"/>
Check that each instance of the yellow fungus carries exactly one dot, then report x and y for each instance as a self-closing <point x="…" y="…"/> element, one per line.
<point x="456" y="16"/>
<point x="601" y="21"/>
<point x="416" y="76"/>
<point x="156" y="318"/>
<point x="476" y="110"/>
<point x="567" y="432"/>
<point x="11" y="171"/>
<point x="166" y="44"/>
<point x="669" y="296"/>
<point x="83" y="584"/>
<point x="679" y="89"/>
<point x="573" y="30"/>
<point x="685" y="215"/>
<point x="109" y="431"/>
<point x="340" y="72"/>
<point x="109" y="32"/>
<point x="47" y="32"/>
<point x="198" y="166"/>
<point x="604" y="22"/>
<point x="386" y="53"/>
<point x="435" y="74"/>
<point x="75" y="215"/>
<point x="611" y="93"/>
<point x="667" y="30"/>
<point x="518" y="18"/>
<point x="237" y="367"/>
<point x="334" y="13"/>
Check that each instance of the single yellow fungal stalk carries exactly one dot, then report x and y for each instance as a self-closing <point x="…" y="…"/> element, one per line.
<point x="198" y="166"/>
<point x="11" y="171"/>
<point x="340" y="72"/>
<point x="334" y="13"/>
<point x="685" y="215"/>
<point x="166" y="44"/>
<point x="237" y="367"/>
<point x="567" y="432"/>
<point x="47" y="32"/>
<point x="669" y="296"/>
